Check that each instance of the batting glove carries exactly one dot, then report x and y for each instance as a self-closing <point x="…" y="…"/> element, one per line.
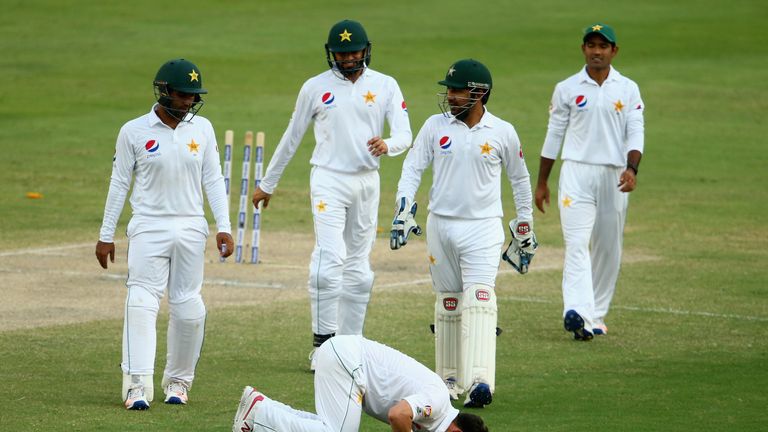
<point x="523" y="246"/>
<point x="404" y="223"/>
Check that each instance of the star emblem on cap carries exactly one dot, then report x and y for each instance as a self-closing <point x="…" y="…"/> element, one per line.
<point x="618" y="105"/>
<point x="193" y="76"/>
<point x="346" y="36"/>
<point x="597" y="27"/>
<point x="369" y="97"/>
<point x="485" y="149"/>
<point x="320" y="206"/>
<point x="193" y="146"/>
<point x="451" y="71"/>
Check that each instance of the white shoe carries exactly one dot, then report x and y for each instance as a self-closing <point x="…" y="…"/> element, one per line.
<point x="176" y="393"/>
<point x="312" y="361"/>
<point x="453" y="388"/>
<point x="246" y="411"/>
<point x="135" y="399"/>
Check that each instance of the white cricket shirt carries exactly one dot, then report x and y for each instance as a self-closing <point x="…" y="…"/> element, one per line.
<point x="467" y="163"/>
<point x="171" y="168"/>
<point x="392" y="376"/>
<point x="346" y="116"/>
<point x="595" y="124"/>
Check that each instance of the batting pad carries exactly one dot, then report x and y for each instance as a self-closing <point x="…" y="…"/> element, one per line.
<point x="478" y="336"/>
<point x="146" y="380"/>
<point x="447" y="335"/>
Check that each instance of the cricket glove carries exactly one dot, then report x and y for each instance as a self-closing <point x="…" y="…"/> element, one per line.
<point x="523" y="246"/>
<point x="404" y="223"/>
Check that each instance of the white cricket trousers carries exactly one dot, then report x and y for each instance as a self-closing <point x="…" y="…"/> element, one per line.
<point x="464" y="252"/>
<point x="164" y="253"/>
<point x="339" y="387"/>
<point x="592" y="216"/>
<point x="345" y="209"/>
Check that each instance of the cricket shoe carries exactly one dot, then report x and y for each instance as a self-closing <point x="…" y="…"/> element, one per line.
<point x="246" y="411"/>
<point x="453" y="388"/>
<point x="573" y="322"/>
<point x="600" y="329"/>
<point x="176" y="393"/>
<point x="479" y="395"/>
<point x="135" y="399"/>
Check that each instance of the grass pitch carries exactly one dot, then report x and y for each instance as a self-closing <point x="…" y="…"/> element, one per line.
<point x="687" y="345"/>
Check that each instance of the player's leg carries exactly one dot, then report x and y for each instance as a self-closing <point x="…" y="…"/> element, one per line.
<point x="148" y="264"/>
<point x="186" y="324"/>
<point x="359" y="237"/>
<point x="339" y="383"/>
<point x="446" y="282"/>
<point x="606" y="245"/>
<point x="258" y="413"/>
<point x="330" y="199"/>
<point x="577" y="217"/>
<point x="480" y="244"/>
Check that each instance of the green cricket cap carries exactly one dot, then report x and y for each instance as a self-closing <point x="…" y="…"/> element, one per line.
<point x="603" y="30"/>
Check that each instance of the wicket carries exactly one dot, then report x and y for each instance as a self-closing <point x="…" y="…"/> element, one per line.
<point x="245" y="203"/>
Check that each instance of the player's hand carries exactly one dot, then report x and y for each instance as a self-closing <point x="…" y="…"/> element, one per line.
<point x="522" y="247"/>
<point x="403" y="224"/>
<point x="104" y="250"/>
<point x="377" y="146"/>
<point x="542" y="196"/>
<point x="627" y="181"/>
<point x="224" y="244"/>
<point x="260" y="196"/>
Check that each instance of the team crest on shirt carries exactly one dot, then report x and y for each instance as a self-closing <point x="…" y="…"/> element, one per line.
<point x="152" y="147"/>
<point x="581" y="101"/>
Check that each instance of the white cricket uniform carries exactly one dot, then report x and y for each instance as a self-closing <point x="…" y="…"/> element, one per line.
<point x="356" y="375"/>
<point x="597" y="127"/>
<point x="464" y="226"/>
<point x="344" y="186"/>
<point x="167" y="234"/>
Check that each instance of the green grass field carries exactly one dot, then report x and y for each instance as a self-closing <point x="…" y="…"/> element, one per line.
<point x="687" y="349"/>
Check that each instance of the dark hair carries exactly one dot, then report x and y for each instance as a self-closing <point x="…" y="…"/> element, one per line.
<point x="470" y="423"/>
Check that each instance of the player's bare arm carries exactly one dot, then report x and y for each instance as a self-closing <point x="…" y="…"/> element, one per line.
<point x="104" y="250"/>
<point x="224" y="244"/>
<point x="400" y="417"/>
<point x="259" y="196"/>
<point x="542" y="189"/>
<point x="377" y="146"/>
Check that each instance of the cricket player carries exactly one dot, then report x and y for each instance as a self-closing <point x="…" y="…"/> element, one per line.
<point x="352" y="375"/>
<point x="348" y="105"/>
<point x="172" y="155"/>
<point x="596" y="116"/>
<point x="467" y="147"/>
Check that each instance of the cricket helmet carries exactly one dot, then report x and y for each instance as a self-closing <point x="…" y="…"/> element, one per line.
<point x="467" y="74"/>
<point x="347" y="36"/>
<point x="182" y="76"/>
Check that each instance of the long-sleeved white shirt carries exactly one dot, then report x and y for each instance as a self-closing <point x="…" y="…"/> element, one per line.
<point x="346" y="116"/>
<point x="466" y="180"/>
<point x="595" y="124"/>
<point x="171" y="168"/>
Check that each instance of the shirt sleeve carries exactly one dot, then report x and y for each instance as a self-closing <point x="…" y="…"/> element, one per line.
<point x="635" y="126"/>
<point x="519" y="177"/>
<point x="399" y="123"/>
<point x="289" y="143"/>
<point x="119" y="184"/>
<point x="213" y="183"/>
<point x="559" y="113"/>
<point x="419" y="157"/>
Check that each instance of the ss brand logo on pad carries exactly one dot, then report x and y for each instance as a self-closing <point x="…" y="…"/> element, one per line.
<point x="450" y="303"/>
<point x="483" y="295"/>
